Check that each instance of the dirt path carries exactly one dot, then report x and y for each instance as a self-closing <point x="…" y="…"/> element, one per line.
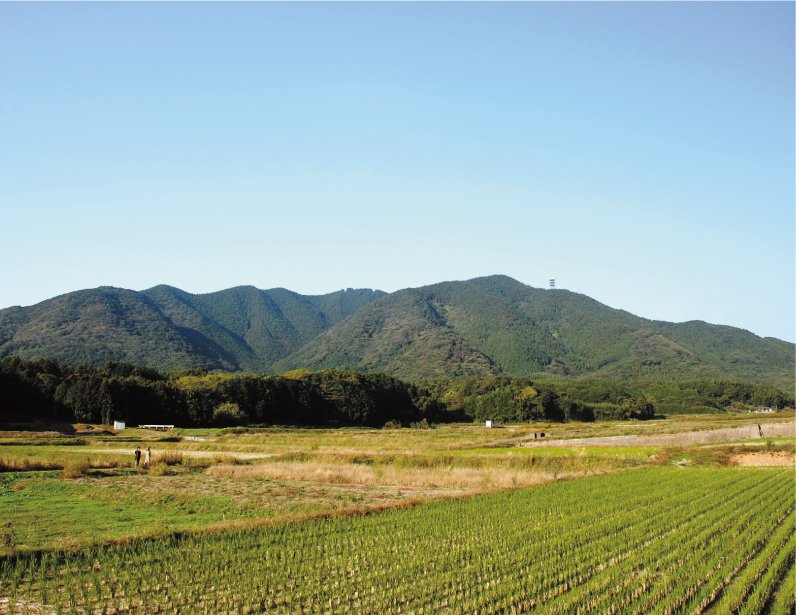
<point x="728" y="434"/>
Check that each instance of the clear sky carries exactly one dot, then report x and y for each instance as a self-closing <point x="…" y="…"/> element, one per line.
<point x="641" y="153"/>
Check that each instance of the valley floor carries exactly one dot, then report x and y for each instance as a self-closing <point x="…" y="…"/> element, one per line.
<point x="76" y="494"/>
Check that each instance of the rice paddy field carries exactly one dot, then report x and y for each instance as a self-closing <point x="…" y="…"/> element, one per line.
<point x="452" y="520"/>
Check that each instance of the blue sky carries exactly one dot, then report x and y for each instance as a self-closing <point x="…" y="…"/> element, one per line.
<point x="641" y="153"/>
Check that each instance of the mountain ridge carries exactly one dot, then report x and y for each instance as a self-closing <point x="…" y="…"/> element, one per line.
<point x="238" y="329"/>
<point x="474" y="328"/>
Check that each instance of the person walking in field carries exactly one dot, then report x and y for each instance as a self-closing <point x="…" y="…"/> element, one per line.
<point x="137" y="456"/>
<point x="148" y="457"/>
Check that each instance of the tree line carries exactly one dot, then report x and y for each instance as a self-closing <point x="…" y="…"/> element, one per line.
<point x="511" y="399"/>
<point x="142" y="395"/>
<point x="196" y="397"/>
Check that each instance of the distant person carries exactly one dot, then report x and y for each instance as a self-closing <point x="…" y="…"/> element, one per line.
<point x="137" y="456"/>
<point x="148" y="457"/>
<point x="760" y="430"/>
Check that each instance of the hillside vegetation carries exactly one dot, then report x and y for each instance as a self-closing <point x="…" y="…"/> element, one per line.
<point x="496" y="325"/>
<point x="240" y="329"/>
<point x="479" y="328"/>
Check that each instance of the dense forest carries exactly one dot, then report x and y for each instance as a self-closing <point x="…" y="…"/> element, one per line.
<point x="517" y="400"/>
<point x="141" y="395"/>
<point x="196" y="397"/>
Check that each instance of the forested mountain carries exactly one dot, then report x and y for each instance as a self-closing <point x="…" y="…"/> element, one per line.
<point x="479" y="328"/>
<point x="240" y="329"/>
<point x="496" y="325"/>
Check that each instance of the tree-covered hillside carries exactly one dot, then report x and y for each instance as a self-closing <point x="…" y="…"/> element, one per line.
<point x="240" y="329"/>
<point x="496" y="325"/>
<point x="480" y="328"/>
<point x="402" y="334"/>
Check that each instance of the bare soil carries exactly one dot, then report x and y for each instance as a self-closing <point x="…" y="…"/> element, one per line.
<point x="765" y="459"/>
<point x="23" y="606"/>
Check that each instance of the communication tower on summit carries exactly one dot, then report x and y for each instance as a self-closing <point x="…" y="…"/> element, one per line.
<point x="552" y="284"/>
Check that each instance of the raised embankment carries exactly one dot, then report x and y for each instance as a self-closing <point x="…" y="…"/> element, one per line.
<point x="714" y="436"/>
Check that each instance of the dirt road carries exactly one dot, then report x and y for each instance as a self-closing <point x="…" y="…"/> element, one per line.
<point x="729" y="434"/>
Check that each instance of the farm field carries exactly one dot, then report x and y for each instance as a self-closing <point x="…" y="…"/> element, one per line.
<point x="276" y="440"/>
<point x="70" y="497"/>
<point x="95" y="498"/>
<point x="655" y="540"/>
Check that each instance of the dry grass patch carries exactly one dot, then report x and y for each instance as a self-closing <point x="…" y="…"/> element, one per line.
<point x="29" y="465"/>
<point x="167" y="458"/>
<point x="349" y="474"/>
<point x="75" y="468"/>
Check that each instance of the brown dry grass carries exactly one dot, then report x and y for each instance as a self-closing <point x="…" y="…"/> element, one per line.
<point x="167" y="458"/>
<point x="452" y="478"/>
<point x="72" y="468"/>
<point x="75" y="468"/>
<point x="28" y="465"/>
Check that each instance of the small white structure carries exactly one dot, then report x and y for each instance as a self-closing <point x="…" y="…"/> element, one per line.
<point x="764" y="410"/>
<point x="118" y="425"/>
<point x="489" y="424"/>
<point x="157" y="427"/>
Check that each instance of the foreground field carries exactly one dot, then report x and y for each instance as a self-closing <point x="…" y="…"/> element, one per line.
<point x="97" y="502"/>
<point x="459" y="519"/>
<point x="68" y="490"/>
<point x="655" y="540"/>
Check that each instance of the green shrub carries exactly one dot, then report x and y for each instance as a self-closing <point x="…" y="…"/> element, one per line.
<point x="229" y="415"/>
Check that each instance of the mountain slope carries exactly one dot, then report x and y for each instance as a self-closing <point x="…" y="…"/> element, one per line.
<point x="493" y="325"/>
<point x="240" y="329"/>
<point x="480" y="328"/>
<point x="401" y="334"/>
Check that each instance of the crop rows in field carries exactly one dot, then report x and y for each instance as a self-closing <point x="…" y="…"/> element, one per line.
<point x="656" y="541"/>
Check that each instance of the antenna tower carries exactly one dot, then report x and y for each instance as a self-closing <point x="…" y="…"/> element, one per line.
<point x="552" y="283"/>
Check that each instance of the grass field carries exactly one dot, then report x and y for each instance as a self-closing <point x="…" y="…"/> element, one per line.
<point x="75" y="497"/>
